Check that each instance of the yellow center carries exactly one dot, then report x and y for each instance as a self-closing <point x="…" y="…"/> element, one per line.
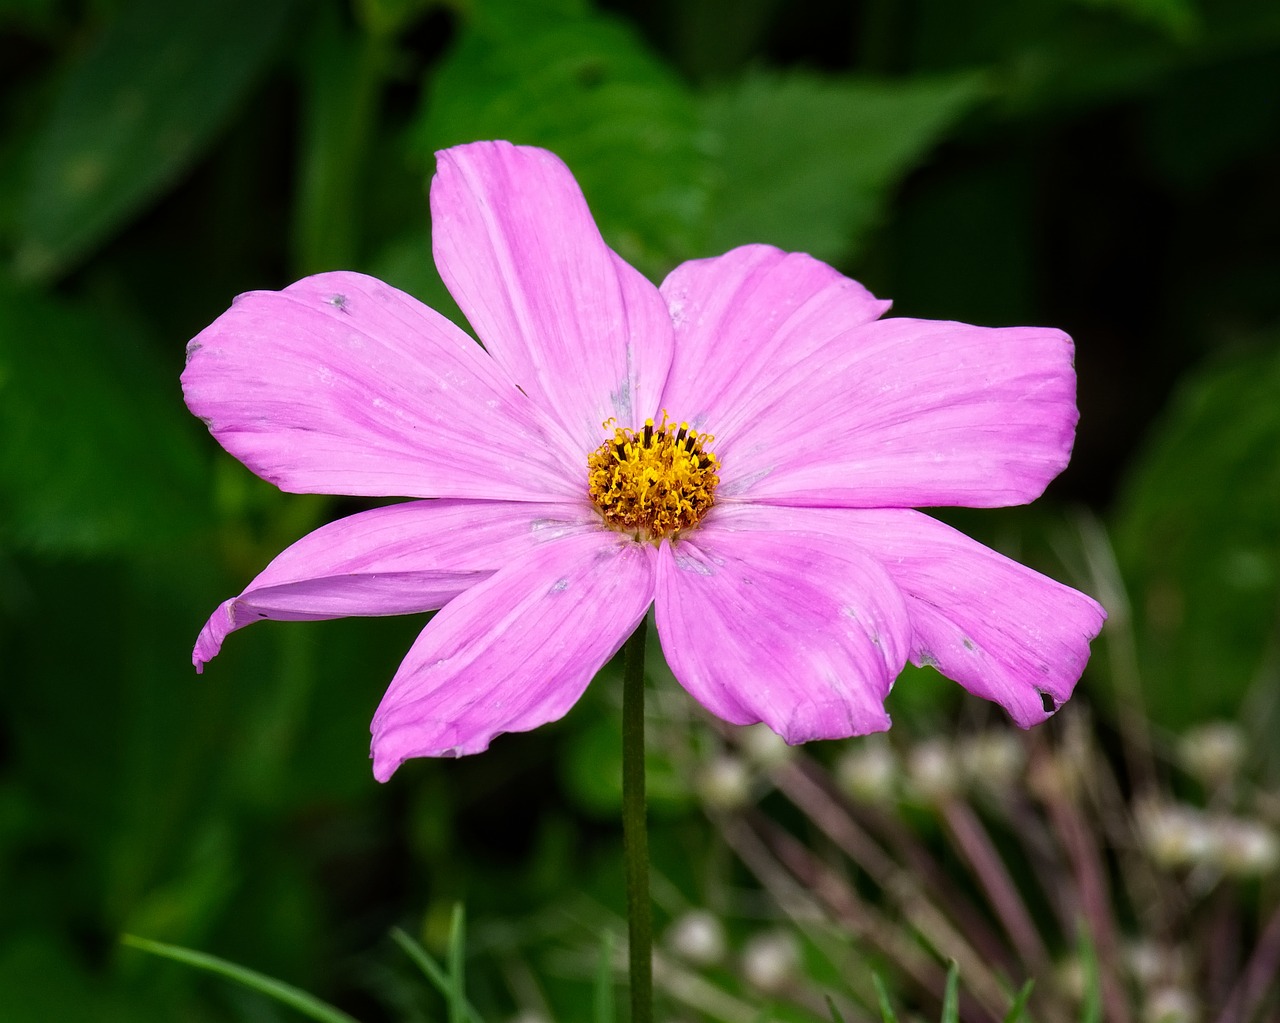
<point x="654" y="482"/>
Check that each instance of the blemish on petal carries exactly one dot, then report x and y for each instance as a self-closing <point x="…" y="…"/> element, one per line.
<point x="1047" y="702"/>
<point x="745" y="483"/>
<point x="695" y="565"/>
<point x="192" y="348"/>
<point x="549" y="529"/>
<point x="338" y="302"/>
<point x="969" y="644"/>
<point x="559" y="586"/>
<point x="620" y="398"/>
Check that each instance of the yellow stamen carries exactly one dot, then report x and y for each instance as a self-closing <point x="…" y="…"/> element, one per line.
<point x="654" y="482"/>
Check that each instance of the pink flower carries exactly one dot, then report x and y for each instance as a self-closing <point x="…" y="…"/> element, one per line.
<point x="765" y="511"/>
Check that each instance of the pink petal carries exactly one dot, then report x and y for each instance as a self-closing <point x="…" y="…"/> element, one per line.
<point x="902" y="412"/>
<point x="800" y="631"/>
<point x="575" y="326"/>
<point x="744" y="318"/>
<point x="342" y="384"/>
<point x="1003" y="631"/>
<point x="514" y="651"/>
<point x="401" y="559"/>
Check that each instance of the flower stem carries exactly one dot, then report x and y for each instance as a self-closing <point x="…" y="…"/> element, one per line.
<point x="635" y="836"/>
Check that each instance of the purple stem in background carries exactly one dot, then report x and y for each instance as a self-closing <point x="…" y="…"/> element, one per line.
<point x="1259" y="976"/>
<point x="776" y="857"/>
<point x="1095" y="898"/>
<point x="977" y="848"/>
<point x="802" y="783"/>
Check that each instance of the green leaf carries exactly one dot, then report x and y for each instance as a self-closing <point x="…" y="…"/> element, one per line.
<point x="386" y="18"/>
<point x="99" y="454"/>
<point x="809" y="163"/>
<point x="343" y="73"/>
<point x="887" y="1015"/>
<point x="286" y="994"/>
<point x="586" y="88"/>
<point x="135" y="111"/>
<point x="1178" y="18"/>
<point x="1197" y="542"/>
<point x="407" y="264"/>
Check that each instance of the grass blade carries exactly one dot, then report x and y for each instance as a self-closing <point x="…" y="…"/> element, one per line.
<point x="433" y="971"/>
<point x="306" y="1004"/>
<point x="1091" y="1012"/>
<point x="886" y="1009"/>
<point x="1019" y="1006"/>
<point x="951" y="996"/>
<point x="604" y="979"/>
<point x="457" y="995"/>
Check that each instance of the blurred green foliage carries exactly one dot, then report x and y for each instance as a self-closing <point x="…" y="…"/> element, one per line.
<point x="1107" y="166"/>
<point x="1199" y="545"/>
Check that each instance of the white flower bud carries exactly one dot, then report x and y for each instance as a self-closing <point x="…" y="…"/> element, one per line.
<point x="725" y="783"/>
<point x="1175" y="836"/>
<point x="1150" y="963"/>
<point x="770" y="961"/>
<point x="868" y="770"/>
<point x="994" y="759"/>
<point x="1214" y="752"/>
<point x="764" y="747"/>
<point x="1069" y="978"/>
<point x="1171" y="1005"/>
<point x="1246" y="848"/>
<point x="933" y="770"/>
<point x="698" y="937"/>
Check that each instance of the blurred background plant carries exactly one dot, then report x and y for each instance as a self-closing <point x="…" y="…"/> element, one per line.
<point x="1107" y="166"/>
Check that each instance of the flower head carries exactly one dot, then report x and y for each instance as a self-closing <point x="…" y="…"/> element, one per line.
<point x="741" y="448"/>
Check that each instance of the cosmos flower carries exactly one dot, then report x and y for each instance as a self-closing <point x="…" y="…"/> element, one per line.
<point x="740" y="449"/>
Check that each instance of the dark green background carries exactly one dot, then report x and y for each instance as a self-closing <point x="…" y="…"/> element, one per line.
<point x="1106" y="166"/>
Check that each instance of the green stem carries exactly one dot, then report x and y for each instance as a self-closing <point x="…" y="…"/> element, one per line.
<point x="635" y="836"/>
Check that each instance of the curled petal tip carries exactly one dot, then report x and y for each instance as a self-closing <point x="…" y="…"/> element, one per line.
<point x="211" y="636"/>
<point x="384" y="767"/>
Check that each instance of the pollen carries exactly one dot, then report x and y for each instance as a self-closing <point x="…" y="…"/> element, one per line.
<point x="655" y="482"/>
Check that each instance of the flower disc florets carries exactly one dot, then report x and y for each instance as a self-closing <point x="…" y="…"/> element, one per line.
<point x="654" y="482"/>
